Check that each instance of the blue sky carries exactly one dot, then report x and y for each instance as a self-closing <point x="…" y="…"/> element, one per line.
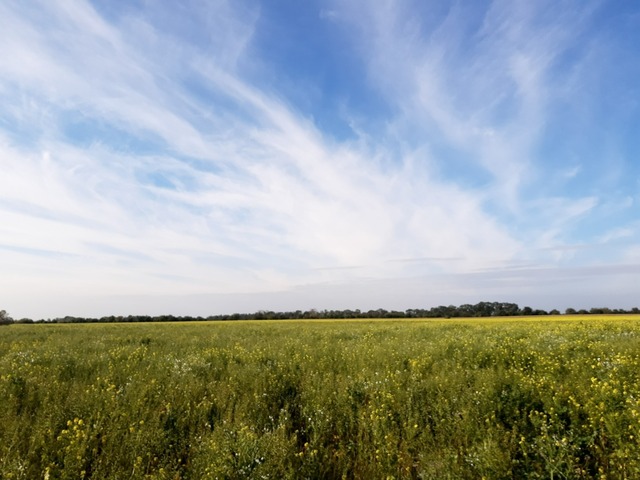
<point x="220" y="156"/>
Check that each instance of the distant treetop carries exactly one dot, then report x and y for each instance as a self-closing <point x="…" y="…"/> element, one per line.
<point x="482" y="309"/>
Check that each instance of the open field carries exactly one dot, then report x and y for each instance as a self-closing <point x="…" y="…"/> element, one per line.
<point x="552" y="397"/>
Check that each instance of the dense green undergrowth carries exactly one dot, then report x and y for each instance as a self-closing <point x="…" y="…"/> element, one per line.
<point x="347" y="399"/>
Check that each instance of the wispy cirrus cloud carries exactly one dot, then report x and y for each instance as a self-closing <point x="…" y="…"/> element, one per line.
<point x="475" y="83"/>
<point x="145" y="153"/>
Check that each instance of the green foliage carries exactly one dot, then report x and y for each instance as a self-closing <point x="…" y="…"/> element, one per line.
<point x="5" y="319"/>
<point x="319" y="399"/>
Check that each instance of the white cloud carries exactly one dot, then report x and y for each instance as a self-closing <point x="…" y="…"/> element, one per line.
<point x="238" y="192"/>
<point x="571" y="172"/>
<point x="328" y="14"/>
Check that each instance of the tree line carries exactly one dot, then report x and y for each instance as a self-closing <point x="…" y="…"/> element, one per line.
<point x="482" y="309"/>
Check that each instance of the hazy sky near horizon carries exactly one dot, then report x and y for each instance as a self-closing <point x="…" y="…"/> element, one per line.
<point x="206" y="157"/>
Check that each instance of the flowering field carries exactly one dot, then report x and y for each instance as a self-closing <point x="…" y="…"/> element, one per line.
<point x="510" y="398"/>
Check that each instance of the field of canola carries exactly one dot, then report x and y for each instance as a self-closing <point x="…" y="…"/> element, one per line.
<point x="543" y="398"/>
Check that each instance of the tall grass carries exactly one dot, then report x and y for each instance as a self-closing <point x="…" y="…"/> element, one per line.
<point x="344" y="399"/>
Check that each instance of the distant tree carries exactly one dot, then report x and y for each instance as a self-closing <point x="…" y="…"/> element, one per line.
<point x="554" y="312"/>
<point x="466" y="310"/>
<point x="599" y="311"/>
<point x="484" y="309"/>
<point x="507" y="309"/>
<point x="5" y="319"/>
<point x="570" y="311"/>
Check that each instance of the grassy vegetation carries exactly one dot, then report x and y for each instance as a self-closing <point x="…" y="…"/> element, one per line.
<point x="509" y="398"/>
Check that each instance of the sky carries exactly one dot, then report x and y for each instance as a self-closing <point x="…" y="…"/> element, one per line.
<point x="207" y="157"/>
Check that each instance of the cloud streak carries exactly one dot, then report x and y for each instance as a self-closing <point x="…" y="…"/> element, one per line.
<point x="153" y="158"/>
